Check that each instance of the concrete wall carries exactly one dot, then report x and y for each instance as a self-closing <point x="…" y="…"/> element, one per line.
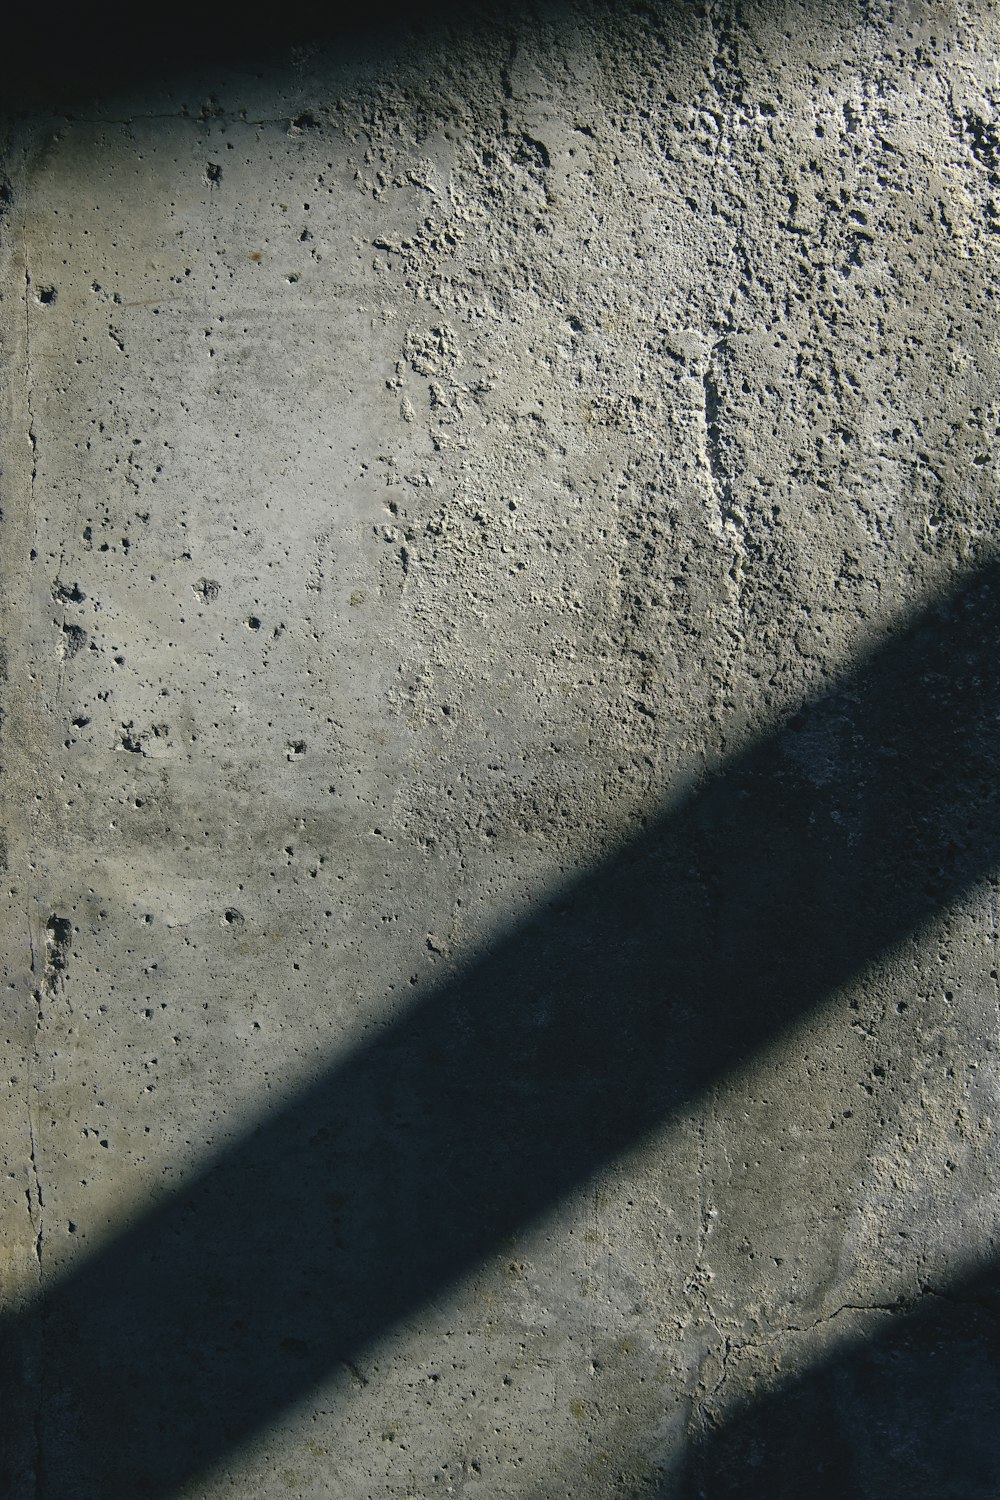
<point x="499" y="754"/>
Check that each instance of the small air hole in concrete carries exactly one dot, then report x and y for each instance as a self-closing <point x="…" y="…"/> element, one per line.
<point x="68" y="593"/>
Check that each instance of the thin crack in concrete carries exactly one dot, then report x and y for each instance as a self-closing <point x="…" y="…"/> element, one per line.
<point x="32" y="438"/>
<point x="34" y="1193"/>
<point x="714" y="460"/>
<point x="902" y="1306"/>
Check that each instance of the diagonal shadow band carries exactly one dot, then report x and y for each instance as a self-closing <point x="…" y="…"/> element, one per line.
<point x="909" y="1408"/>
<point x="509" y="1086"/>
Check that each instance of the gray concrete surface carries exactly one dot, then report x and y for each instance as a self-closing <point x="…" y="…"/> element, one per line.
<point x="499" y="751"/>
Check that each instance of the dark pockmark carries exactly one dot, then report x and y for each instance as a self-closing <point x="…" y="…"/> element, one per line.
<point x="74" y="639"/>
<point x="130" y="741"/>
<point x="58" y="936"/>
<point x="67" y="593"/>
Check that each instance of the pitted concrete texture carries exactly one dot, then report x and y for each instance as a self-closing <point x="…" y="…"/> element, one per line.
<point x="501" y="620"/>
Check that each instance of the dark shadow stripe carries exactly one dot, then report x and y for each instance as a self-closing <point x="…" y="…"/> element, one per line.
<point x="508" y="1087"/>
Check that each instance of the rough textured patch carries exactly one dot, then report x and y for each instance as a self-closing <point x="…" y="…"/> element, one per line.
<point x="500" y="629"/>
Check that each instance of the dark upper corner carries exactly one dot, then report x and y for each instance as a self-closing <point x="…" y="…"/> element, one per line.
<point x="70" y="55"/>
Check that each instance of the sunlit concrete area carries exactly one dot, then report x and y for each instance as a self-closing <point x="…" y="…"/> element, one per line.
<point x="501" y="612"/>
